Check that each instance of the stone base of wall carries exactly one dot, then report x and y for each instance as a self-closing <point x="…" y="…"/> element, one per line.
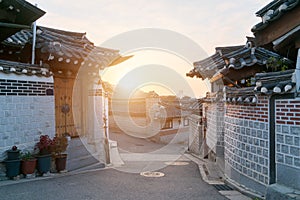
<point x="287" y="175"/>
<point x="277" y="191"/>
<point x="244" y="181"/>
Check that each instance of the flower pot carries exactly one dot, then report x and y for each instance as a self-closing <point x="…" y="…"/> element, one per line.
<point x="28" y="166"/>
<point x="60" y="162"/>
<point x="43" y="163"/>
<point x="13" y="155"/>
<point x="12" y="168"/>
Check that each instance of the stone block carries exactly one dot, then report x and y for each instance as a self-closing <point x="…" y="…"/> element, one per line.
<point x="297" y="162"/>
<point x="259" y="134"/>
<point x="295" y="151"/>
<point x="248" y="131"/>
<point x="297" y="141"/>
<point x="261" y="178"/>
<point x="262" y="126"/>
<point x="265" y="135"/>
<point x="295" y="130"/>
<point x="285" y="129"/>
<point x="278" y="149"/>
<point x="289" y="140"/>
<point x="261" y="160"/>
<point x="284" y="149"/>
<point x="258" y="168"/>
<point x="251" y="124"/>
<point x="243" y="130"/>
<point x="288" y="160"/>
<point x="253" y="149"/>
<point x="256" y="125"/>
<point x="265" y="171"/>
<point x="280" y="138"/>
<point x="278" y="128"/>
<point x="266" y="153"/>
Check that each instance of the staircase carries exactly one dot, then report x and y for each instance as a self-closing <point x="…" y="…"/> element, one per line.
<point x="80" y="158"/>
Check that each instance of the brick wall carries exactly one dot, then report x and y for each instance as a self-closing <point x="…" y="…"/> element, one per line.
<point x="24" y="115"/>
<point x="247" y="143"/>
<point x="25" y="88"/>
<point x="288" y="112"/>
<point x="257" y="111"/>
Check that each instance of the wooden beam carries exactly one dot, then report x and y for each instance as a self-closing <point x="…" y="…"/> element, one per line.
<point x="230" y="81"/>
<point x="10" y="25"/>
<point x="279" y="27"/>
<point x="297" y="43"/>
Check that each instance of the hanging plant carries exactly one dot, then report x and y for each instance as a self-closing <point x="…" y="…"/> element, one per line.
<point x="275" y="64"/>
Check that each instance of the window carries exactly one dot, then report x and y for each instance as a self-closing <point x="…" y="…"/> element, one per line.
<point x="186" y="121"/>
<point x="168" y="124"/>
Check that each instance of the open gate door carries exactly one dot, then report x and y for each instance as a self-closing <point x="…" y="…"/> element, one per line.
<point x="63" y="89"/>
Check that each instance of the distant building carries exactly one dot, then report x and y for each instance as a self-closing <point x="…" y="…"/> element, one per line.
<point x="148" y="115"/>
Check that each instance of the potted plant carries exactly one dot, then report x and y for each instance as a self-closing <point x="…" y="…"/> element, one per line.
<point x="13" y="153"/>
<point x="60" y="146"/>
<point x="45" y="147"/>
<point x="12" y="163"/>
<point x="28" y="163"/>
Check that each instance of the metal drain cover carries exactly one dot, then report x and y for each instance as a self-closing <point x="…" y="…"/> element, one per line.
<point x="152" y="174"/>
<point x="178" y="163"/>
<point x="222" y="187"/>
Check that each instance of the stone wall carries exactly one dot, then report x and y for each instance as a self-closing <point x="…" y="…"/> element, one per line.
<point x="195" y="134"/>
<point x="27" y="111"/>
<point x="288" y="142"/>
<point x="247" y="144"/>
<point x="214" y="114"/>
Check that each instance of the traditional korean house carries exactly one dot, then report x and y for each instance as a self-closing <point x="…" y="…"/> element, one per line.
<point x="253" y="122"/>
<point x="71" y="61"/>
<point x="64" y="53"/>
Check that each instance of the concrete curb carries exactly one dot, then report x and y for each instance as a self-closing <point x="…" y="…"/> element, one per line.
<point x="231" y="194"/>
<point x="50" y="176"/>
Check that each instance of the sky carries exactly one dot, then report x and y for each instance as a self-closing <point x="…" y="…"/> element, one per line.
<point x="207" y="23"/>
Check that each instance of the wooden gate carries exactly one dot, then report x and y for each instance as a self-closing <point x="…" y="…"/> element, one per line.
<point x="63" y="88"/>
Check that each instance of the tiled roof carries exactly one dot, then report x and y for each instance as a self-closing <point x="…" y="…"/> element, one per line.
<point x="64" y="46"/>
<point x="236" y="59"/>
<point x="275" y="82"/>
<point x="273" y="11"/>
<point x="22" y="68"/>
<point x="240" y="95"/>
<point x="17" y="14"/>
<point x="249" y="56"/>
<point x="225" y="50"/>
<point x="174" y="108"/>
<point x="266" y="84"/>
<point x="207" y="67"/>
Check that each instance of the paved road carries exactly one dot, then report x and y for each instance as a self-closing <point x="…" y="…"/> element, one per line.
<point x="179" y="182"/>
